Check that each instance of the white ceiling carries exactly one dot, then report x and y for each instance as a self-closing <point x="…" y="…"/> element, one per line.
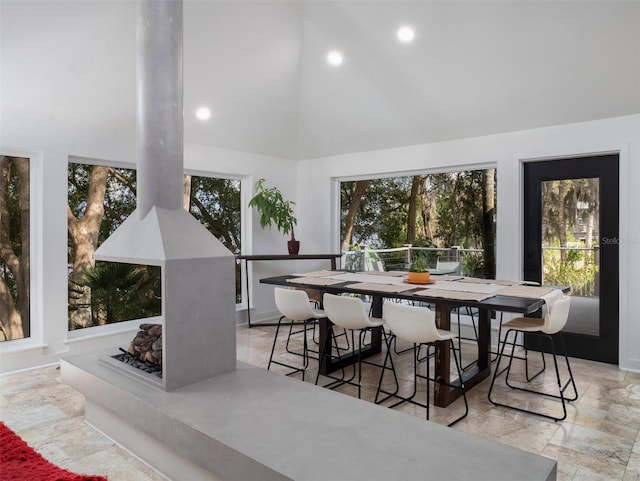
<point x="475" y="68"/>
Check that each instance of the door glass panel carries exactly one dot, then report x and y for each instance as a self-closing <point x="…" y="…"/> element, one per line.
<point x="570" y="247"/>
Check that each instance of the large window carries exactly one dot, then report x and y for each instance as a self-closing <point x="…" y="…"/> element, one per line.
<point x="100" y="198"/>
<point x="15" y="298"/>
<point x="216" y="204"/>
<point x="438" y="215"/>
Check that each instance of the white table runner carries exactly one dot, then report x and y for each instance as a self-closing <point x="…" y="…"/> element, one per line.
<point x="454" y="287"/>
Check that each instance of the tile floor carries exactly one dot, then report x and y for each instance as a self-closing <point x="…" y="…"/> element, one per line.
<point x="599" y="440"/>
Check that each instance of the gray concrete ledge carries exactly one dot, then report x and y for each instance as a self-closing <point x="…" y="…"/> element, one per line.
<point x="251" y="424"/>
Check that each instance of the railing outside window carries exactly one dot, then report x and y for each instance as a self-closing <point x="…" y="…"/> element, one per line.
<point x="400" y="258"/>
<point x="576" y="267"/>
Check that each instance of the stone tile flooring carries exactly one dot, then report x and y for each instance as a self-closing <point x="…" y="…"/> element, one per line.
<point x="599" y="440"/>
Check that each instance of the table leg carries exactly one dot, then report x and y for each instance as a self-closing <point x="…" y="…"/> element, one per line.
<point x="324" y="343"/>
<point x="445" y="395"/>
<point x="483" y="369"/>
<point x="484" y="339"/>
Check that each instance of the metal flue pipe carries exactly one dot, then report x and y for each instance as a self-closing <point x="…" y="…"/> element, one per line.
<point x="160" y="129"/>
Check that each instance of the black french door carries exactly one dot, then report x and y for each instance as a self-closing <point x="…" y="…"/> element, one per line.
<point x="571" y="237"/>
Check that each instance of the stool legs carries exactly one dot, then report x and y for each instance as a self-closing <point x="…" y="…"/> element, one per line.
<point x="562" y="387"/>
<point x="357" y="365"/>
<point x="469" y="313"/>
<point x="427" y="377"/>
<point x="305" y="349"/>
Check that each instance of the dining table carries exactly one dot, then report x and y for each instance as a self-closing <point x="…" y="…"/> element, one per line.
<point x="445" y="293"/>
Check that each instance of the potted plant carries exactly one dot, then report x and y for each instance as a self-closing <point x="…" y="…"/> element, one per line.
<point x="418" y="273"/>
<point x="274" y="210"/>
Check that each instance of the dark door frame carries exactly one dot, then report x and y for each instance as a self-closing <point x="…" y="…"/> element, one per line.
<point x="606" y="167"/>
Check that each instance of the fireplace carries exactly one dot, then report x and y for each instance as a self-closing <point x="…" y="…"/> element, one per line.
<point x="145" y="350"/>
<point x="197" y="271"/>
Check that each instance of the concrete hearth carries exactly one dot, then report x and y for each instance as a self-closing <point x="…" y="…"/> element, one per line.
<point x="251" y="424"/>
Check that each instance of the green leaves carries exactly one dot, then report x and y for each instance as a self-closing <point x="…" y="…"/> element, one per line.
<point x="577" y="270"/>
<point x="119" y="292"/>
<point x="419" y="264"/>
<point x="273" y="209"/>
<point x="448" y="211"/>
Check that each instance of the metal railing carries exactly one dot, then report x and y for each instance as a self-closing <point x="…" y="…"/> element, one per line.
<point x="577" y="267"/>
<point x="400" y="258"/>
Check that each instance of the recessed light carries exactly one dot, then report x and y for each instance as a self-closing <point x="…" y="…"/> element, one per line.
<point x="203" y="113"/>
<point x="334" y="58"/>
<point x="406" y="34"/>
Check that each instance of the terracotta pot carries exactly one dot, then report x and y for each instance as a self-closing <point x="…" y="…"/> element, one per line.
<point x="419" y="277"/>
<point x="294" y="247"/>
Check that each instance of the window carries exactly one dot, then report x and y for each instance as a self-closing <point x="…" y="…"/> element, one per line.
<point x="439" y="215"/>
<point x="15" y="231"/>
<point x="215" y="202"/>
<point x="100" y="198"/>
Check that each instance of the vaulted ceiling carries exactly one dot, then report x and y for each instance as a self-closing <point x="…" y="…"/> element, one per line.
<point x="474" y="68"/>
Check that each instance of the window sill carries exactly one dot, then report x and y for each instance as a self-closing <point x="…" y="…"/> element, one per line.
<point x="21" y="345"/>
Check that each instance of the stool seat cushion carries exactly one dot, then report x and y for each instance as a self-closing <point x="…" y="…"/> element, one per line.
<point x="525" y="324"/>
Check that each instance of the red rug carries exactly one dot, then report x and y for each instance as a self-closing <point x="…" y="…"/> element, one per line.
<point x="18" y="462"/>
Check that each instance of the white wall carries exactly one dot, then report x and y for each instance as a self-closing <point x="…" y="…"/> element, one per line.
<point x="317" y="194"/>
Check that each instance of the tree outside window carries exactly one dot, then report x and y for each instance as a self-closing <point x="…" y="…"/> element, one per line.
<point x="15" y="298"/>
<point x="100" y="198"/>
<point x="215" y="203"/>
<point x="435" y="211"/>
